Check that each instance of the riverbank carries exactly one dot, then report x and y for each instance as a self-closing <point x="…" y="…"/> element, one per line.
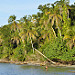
<point x="25" y="62"/>
<point x="36" y="63"/>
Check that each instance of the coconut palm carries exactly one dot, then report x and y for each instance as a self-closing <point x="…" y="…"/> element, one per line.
<point x="61" y="4"/>
<point x="70" y="41"/>
<point x="36" y="19"/>
<point x="22" y="35"/>
<point x="12" y="21"/>
<point x="44" y="18"/>
<point x="15" y="39"/>
<point x="21" y="31"/>
<point x="70" y="37"/>
<point x="45" y="34"/>
<point x="30" y="33"/>
<point x="55" y="18"/>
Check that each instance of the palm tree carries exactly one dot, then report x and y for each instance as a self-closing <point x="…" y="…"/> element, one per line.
<point x="22" y="35"/>
<point x="70" y="37"/>
<point x="12" y="21"/>
<point x="21" y="23"/>
<point x="30" y="33"/>
<point x="54" y="17"/>
<point x="36" y="19"/>
<point x="61" y="4"/>
<point x="44" y="18"/>
<point x="15" y="39"/>
<point x="45" y="35"/>
<point x="70" y="41"/>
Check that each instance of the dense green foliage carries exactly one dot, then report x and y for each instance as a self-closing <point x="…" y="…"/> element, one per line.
<point x="51" y="31"/>
<point x="57" y="49"/>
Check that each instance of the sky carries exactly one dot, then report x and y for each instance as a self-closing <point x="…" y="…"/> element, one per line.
<point x="20" y="8"/>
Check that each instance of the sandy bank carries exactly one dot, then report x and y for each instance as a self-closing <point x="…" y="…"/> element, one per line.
<point x="35" y="63"/>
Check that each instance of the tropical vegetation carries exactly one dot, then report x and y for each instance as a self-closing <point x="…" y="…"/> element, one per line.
<point x="51" y="31"/>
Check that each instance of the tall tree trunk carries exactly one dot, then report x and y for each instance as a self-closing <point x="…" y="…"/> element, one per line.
<point x="58" y="27"/>
<point x="32" y="45"/>
<point x="68" y="13"/>
<point x="59" y="31"/>
<point x="53" y="32"/>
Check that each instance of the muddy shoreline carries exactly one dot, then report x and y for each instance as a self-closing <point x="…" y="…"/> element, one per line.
<point x="36" y="63"/>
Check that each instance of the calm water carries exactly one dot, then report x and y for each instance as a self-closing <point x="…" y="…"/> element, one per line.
<point x="12" y="69"/>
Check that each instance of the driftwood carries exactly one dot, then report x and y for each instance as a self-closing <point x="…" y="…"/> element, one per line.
<point x="45" y="56"/>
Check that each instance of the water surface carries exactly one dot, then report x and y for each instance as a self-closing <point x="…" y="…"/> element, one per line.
<point x="12" y="69"/>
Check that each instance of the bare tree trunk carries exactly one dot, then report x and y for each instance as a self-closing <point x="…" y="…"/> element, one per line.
<point x="68" y="13"/>
<point x="45" y="57"/>
<point x="32" y="45"/>
<point x="54" y="32"/>
<point x="59" y="31"/>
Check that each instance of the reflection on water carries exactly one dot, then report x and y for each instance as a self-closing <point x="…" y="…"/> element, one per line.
<point x="12" y="69"/>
